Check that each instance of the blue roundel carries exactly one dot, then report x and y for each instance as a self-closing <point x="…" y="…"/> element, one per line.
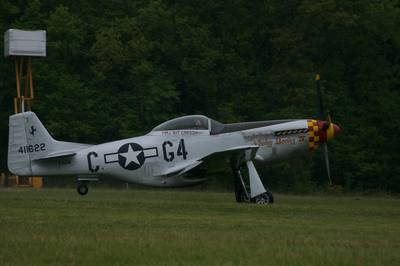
<point x="131" y="156"/>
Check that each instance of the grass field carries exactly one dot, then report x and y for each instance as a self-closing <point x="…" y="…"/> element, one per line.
<point x="174" y="227"/>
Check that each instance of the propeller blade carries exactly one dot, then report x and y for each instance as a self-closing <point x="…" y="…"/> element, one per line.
<point x="320" y="104"/>
<point x="329" y="118"/>
<point x="328" y="123"/>
<point x="326" y="157"/>
<point x="323" y="115"/>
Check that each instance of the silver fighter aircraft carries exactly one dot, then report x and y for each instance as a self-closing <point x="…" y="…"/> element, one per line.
<point x="179" y="152"/>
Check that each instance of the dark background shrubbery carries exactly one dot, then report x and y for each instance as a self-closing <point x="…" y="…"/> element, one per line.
<point x="115" y="69"/>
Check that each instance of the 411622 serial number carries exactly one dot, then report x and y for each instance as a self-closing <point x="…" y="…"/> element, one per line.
<point x="32" y="148"/>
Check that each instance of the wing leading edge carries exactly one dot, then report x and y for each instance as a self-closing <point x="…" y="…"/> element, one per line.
<point x="237" y="155"/>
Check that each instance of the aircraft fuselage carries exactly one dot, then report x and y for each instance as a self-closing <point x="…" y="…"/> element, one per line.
<point x="142" y="159"/>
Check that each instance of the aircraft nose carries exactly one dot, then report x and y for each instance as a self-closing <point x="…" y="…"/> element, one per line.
<point x="325" y="130"/>
<point x="332" y="131"/>
<point x="320" y="131"/>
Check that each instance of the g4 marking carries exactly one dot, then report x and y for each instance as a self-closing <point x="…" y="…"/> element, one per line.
<point x="32" y="148"/>
<point x="169" y="156"/>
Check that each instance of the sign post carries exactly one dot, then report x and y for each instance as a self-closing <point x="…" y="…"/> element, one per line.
<point x="22" y="46"/>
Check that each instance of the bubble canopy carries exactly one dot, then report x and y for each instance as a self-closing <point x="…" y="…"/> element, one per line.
<point x="191" y="122"/>
<point x="201" y="122"/>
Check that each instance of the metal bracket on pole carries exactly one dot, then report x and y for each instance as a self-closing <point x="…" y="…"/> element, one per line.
<point x="24" y="82"/>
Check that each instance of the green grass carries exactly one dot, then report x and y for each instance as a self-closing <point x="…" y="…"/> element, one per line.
<point x="175" y="227"/>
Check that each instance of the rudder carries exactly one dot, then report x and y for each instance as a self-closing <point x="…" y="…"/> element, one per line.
<point x="28" y="140"/>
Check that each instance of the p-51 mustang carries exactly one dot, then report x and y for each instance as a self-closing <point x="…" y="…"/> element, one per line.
<point x="179" y="152"/>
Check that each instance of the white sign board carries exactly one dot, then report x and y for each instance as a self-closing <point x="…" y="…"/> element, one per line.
<point x="24" y="43"/>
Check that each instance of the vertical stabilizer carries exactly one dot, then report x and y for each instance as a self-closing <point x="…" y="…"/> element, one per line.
<point x="28" y="140"/>
<point x="18" y="162"/>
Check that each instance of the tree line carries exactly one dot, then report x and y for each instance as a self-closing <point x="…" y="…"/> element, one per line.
<point x="116" y="69"/>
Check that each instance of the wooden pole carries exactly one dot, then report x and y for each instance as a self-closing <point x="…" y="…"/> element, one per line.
<point x="15" y="105"/>
<point x="17" y="77"/>
<point x="30" y="82"/>
<point x="30" y="77"/>
<point x="24" y="81"/>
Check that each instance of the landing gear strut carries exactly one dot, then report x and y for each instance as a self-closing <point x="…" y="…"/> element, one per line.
<point x="255" y="191"/>
<point x="241" y="191"/>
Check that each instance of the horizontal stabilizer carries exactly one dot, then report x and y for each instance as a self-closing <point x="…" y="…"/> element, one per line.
<point x="29" y="141"/>
<point x="58" y="155"/>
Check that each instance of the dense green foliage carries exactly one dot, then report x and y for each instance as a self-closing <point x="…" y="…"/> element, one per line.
<point x="158" y="227"/>
<point x="118" y="68"/>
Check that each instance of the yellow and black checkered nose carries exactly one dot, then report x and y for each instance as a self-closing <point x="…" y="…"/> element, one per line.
<point x="320" y="131"/>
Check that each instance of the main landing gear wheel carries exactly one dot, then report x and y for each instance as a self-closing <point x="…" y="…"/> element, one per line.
<point x="245" y="184"/>
<point x="82" y="189"/>
<point x="265" y="198"/>
<point x="238" y="195"/>
<point x="241" y="195"/>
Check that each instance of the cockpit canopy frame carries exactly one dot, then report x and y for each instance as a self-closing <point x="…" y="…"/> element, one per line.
<point x="211" y="126"/>
<point x="190" y="122"/>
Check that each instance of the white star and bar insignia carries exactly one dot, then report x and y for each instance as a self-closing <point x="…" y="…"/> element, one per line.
<point x="131" y="156"/>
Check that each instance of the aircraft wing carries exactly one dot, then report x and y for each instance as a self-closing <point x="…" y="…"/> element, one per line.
<point x="221" y="160"/>
<point x="214" y="161"/>
<point x="178" y="169"/>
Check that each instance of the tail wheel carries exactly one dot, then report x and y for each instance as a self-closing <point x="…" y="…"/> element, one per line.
<point x="82" y="189"/>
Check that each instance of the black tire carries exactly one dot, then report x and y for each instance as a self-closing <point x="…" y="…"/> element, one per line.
<point x="82" y="189"/>
<point x="265" y="198"/>
<point x="238" y="188"/>
<point x="239" y="194"/>
<point x="271" y="197"/>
